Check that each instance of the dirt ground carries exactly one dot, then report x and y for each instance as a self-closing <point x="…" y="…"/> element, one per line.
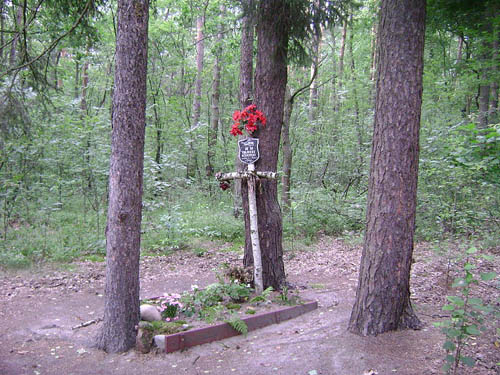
<point x="39" y="307"/>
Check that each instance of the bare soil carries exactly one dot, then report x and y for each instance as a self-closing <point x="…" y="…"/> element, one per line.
<point x="39" y="307"/>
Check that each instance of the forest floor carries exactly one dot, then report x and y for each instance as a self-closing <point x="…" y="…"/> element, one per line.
<point x="40" y="306"/>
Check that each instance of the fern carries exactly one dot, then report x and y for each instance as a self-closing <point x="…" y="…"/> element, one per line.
<point x="238" y="324"/>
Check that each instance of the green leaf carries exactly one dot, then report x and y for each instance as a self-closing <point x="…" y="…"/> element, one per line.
<point x="469" y="266"/>
<point x="456" y="300"/>
<point x="448" y="307"/>
<point x="475" y="301"/>
<point x="448" y="345"/>
<point x="459" y="282"/>
<point x="468" y="361"/>
<point x="487" y="276"/>
<point x="472" y="330"/>
<point x="471" y="250"/>
<point x="450" y="358"/>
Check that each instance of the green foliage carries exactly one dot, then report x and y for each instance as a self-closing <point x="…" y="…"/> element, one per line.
<point x="208" y="303"/>
<point x="468" y="315"/>
<point x="238" y="324"/>
<point x="165" y="328"/>
<point x="264" y="296"/>
<point x="479" y="152"/>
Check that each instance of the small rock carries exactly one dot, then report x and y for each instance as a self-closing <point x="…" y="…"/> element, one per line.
<point x="159" y="341"/>
<point x="150" y="313"/>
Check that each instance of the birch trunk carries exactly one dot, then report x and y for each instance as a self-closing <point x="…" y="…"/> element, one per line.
<point x="254" y="233"/>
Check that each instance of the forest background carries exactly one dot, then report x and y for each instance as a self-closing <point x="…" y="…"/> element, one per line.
<point x="55" y="116"/>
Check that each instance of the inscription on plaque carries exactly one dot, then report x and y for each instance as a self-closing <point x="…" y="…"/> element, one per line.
<point x="248" y="150"/>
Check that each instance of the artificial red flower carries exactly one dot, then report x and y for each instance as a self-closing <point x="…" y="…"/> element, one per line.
<point x="247" y="119"/>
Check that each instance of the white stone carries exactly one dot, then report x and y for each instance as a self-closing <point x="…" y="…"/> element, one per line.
<point x="150" y="313"/>
<point x="160" y="342"/>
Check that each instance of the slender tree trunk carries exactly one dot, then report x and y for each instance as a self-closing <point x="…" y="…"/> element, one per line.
<point x="214" y="125"/>
<point x="383" y="294"/>
<point x="494" y="84"/>
<point x="286" y="150"/>
<point x="77" y="78"/>
<point x="313" y="92"/>
<point x="245" y="97"/>
<point x="373" y="54"/>
<point x="200" y="53"/>
<point x="342" y="52"/>
<point x="85" y="83"/>
<point x="484" y="85"/>
<point x="123" y="232"/>
<point x="192" y="163"/>
<point x="15" y="41"/>
<point x="460" y="49"/>
<point x="2" y="28"/>
<point x="270" y="83"/>
<point x="357" y="121"/>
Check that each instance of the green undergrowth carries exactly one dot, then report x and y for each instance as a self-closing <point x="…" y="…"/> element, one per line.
<point x="189" y="221"/>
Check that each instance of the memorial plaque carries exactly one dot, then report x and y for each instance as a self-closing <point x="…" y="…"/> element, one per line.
<point x="248" y="150"/>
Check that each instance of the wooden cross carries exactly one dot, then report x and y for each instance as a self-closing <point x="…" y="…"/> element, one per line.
<point x="249" y="154"/>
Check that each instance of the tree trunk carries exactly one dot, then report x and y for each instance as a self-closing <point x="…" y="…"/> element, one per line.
<point x="342" y="52"/>
<point x="494" y="84"/>
<point x="245" y="98"/>
<point x="313" y="92"/>
<point x="192" y="162"/>
<point x="357" y="121"/>
<point x="373" y="54"/>
<point x="121" y="306"/>
<point x="13" y="47"/>
<point x="200" y="53"/>
<point x="214" y="125"/>
<point x="383" y="294"/>
<point x="286" y="150"/>
<point x="270" y="83"/>
<point x="2" y="27"/>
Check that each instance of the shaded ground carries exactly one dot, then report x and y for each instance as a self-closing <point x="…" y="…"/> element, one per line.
<point x="39" y="308"/>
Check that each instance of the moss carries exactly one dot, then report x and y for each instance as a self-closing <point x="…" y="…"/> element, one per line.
<point x="165" y="328"/>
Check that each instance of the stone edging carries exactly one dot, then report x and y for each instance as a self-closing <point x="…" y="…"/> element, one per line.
<point x="198" y="336"/>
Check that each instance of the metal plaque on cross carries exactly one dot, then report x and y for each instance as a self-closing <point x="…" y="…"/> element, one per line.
<point x="248" y="150"/>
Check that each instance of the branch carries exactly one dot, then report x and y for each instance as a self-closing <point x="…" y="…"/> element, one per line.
<point x="53" y="44"/>
<point x="302" y="89"/>
<point x="246" y="174"/>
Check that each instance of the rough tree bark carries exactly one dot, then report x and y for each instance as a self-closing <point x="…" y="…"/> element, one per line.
<point x="121" y="307"/>
<point x="270" y="83"/>
<point x="383" y="294"/>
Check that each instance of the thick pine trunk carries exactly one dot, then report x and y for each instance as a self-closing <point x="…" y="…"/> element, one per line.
<point x="270" y="83"/>
<point x="383" y="294"/>
<point x="121" y="308"/>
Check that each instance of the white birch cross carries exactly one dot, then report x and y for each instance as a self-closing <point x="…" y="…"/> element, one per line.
<point x="251" y="175"/>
